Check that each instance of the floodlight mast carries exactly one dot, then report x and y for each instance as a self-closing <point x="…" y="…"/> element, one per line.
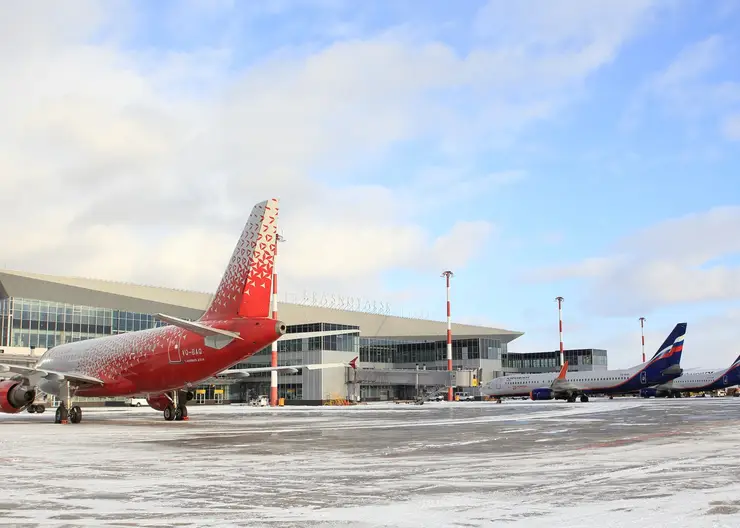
<point x="450" y="392"/>
<point x="274" y="349"/>
<point x="560" y="328"/>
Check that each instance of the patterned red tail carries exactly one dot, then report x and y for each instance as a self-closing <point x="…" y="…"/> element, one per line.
<point x="246" y="286"/>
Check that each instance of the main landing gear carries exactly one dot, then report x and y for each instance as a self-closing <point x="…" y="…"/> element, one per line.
<point x="572" y="398"/>
<point x="177" y="409"/>
<point x="33" y="408"/>
<point x="66" y="415"/>
<point x="66" y="412"/>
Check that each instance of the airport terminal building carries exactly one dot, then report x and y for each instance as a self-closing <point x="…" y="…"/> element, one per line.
<point x="399" y="356"/>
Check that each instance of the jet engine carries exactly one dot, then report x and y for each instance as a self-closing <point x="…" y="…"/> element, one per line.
<point x="652" y="392"/>
<point x="14" y="396"/>
<point x="158" y="402"/>
<point x="542" y="394"/>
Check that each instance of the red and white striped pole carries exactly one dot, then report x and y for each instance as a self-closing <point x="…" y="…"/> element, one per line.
<point x="560" y="328"/>
<point x="274" y="355"/>
<point x="447" y="275"/>
<point x="642" y="331"/>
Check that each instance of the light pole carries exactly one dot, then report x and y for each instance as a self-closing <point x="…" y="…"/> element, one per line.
<point x="560" y="328"/>
<point x="274" y="348"/>
<point x="447" y="275"/>
<point x="642" y="331"/>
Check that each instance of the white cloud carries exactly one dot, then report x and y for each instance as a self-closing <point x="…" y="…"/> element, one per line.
<point x="731" y="127"/>
<point x="596" y="28"/>
<point x="681" y="260"/>
<point x="142" y="165"/>
<point x="699" y="83"/>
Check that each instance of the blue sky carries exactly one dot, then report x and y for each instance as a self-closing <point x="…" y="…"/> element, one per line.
<point x="536" y="148"/>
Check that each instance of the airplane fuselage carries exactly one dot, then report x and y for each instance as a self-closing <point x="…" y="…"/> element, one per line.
<point x="701" y="381"/>
<point x="155" y="360"/>
<point x="605" y="382"/>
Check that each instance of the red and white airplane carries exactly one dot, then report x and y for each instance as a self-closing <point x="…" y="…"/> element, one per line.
<point x="165" y="363"/>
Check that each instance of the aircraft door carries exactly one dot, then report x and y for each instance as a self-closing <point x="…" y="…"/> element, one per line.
<point x="173" y="347"/>
<point x="725" y="380"/>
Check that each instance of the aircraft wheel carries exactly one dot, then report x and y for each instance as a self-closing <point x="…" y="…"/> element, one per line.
<point x="31" y="409"/>
<point x="75" y="414"/>
<point x="584" y="398"/>
<point x="40" y="409"/>
<point x="61" y="415"/>
<point x="181" y="413"/>
<point x="169" y="413"/>
<point x="571" y="399"/>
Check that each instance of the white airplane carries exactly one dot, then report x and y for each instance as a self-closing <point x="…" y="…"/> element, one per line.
<point x="701" y="381"/>
<point x="663" y="367"/>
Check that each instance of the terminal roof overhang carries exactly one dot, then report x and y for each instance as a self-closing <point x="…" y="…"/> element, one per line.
<point x="190" y="305"/>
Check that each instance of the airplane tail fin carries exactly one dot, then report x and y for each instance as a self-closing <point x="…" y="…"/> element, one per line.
<point x="563" y="371"/>
<point x="672" y="347"/>
<point x="246" y="286"/>
<point x="736" y="364"/>
<point x="560" y="379"/>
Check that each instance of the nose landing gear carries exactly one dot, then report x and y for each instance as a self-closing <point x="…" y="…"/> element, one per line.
<point x="177" y="410"/>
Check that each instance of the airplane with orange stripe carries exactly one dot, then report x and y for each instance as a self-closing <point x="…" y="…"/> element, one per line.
<point x="663" y="367"/>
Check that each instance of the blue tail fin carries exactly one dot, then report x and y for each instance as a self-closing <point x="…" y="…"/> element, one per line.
<point x="666" y="348"/>
<point x="736" y="364"/>
<point x="666" y="363"/>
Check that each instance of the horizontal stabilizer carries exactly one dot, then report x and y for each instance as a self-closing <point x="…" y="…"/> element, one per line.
<point x="29" y="372"/>
<point x="197" y="328"/>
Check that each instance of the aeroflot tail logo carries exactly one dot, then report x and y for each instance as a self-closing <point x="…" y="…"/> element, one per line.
<point x="673" y="349"/>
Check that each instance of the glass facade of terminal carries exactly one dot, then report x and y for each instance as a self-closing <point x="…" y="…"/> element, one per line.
<point x="397" y="351"/>
<point x="293" y="352"/>
<point x="43" y="324"/>
<point x="578" y="359"/>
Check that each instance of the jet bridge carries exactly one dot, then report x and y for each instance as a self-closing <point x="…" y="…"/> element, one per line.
<point x="444" y="378"/>
<point x="455" y="378"/>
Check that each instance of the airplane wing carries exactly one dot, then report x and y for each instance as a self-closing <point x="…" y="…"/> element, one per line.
<point x="30" y="372"/>
<point x="246" y="372"/>
<point x="197" y="328"/>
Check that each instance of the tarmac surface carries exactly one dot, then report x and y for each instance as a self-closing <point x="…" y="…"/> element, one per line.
<point x="667" y="462"/>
